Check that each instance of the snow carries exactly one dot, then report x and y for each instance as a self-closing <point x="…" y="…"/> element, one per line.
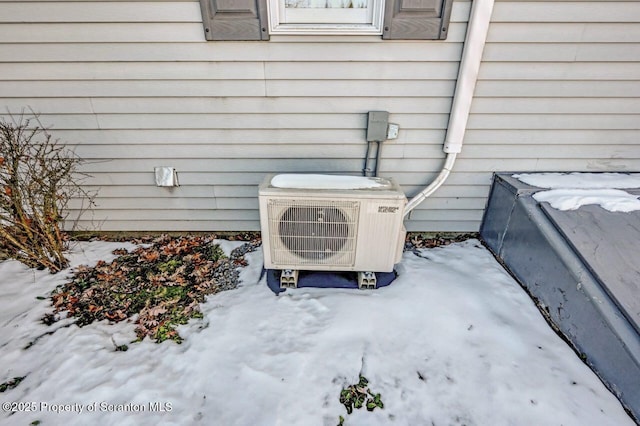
<point x="453" y="317"/>
<point x="613" y="200"/>
<point x="311" y="181"/>
<point x="580" y="180"/>
<point x="570" y="191"/>
<point x="228" y="246"/>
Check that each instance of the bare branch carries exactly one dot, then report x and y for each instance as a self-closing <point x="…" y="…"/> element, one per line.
<point x="38" y="177"/>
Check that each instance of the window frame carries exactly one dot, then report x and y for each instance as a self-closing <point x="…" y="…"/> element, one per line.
<point x="278" y="24"/>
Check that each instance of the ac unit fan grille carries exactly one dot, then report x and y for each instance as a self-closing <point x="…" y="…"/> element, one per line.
<point x="313" y="232"/>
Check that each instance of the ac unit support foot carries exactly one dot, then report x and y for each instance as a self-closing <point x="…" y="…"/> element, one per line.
<point x="289" y="278"/>
<point x="367" y="280"/>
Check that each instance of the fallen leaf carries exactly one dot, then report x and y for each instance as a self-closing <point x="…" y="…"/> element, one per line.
<point x="151" y="256"/>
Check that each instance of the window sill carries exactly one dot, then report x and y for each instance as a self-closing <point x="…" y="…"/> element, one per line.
<point x="337" y="38"/>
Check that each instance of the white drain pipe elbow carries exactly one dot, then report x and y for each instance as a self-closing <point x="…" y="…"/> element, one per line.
<point x="477" y="29"/>
<point x="437" y="183"/>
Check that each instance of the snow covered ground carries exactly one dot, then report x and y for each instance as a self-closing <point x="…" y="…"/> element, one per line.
<point x="454" y="340"/>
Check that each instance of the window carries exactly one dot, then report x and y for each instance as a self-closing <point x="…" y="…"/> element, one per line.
<point x="257" y="19"/>
<point x="325" y="16"/>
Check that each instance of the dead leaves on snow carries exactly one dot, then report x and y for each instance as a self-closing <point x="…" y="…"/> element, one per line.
<point x="418" y="240"/>
<point x="163" y="283"/>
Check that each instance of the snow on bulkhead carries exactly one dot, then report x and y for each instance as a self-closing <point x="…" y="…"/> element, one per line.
<point x="613" y="200"/>
<point x="570" y="191"/>
<point x="317" y="181"/>
<point x="577" y="180"/>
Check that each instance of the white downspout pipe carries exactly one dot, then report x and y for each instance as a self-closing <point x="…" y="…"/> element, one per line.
<point x="477" y="29"/>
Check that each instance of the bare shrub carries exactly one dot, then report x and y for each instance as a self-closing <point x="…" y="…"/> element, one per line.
<point x="38" y="178"/>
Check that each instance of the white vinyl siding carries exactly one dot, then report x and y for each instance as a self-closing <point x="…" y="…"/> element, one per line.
<point x="133" y="85"/>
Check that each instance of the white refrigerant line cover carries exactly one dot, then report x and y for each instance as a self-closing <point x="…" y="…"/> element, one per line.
<point x="477" y="30"/>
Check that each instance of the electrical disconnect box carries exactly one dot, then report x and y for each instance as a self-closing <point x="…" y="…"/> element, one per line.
<point x="377" y="126"/>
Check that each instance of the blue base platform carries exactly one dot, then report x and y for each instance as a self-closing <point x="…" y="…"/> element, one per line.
<point x="322" y="279"/>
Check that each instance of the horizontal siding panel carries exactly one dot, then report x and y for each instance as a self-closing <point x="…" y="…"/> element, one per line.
<point x="361" y="71"/>
<point x="389" y="167"/>
<point x="549" y="89"/>
<point x="620" y="106"/>
<point x="551" y="151"/>
<point x="173" y="211"/>
<point x="146" y="177"/>
<point x="79" y="88"/>
<point x="279" y="88"/>
<point x="298" y="165"/>
<point x="152" y="191"/>
<point x="409" y="179"/>
<point x="237" y="203"/>
<point x="559" y="164"/>
<point x="427" y="214"/>
<point x="246" y="191"/>
<point x="559" y="71"/>
<point x="47" y="105"/>
<point x="339" y="136"/>
<point x="172" y="214"/>
<point x="553" y="121"/>
<point x="100" y="12"/>
<point x="523" y="137"/>
<point x="452" y="204"/>
<point x="196" y="190"/>
<point x="144" y="225"/>
<point x="450" y="190"/>
<point x="170" y="152"/>
<point x="226" y="51"/>
<point x="560" y="11"/>
<point x="442" y="226"/>
<point x="393" y="166"/>
<point x="563" y="32"/>
<point x="229" y="70"/>
<point x="320" y="88"/>
<point x="233" y="121"/>
<point x="237" y="136"/>
<point x="356" y="151"/>
<point x="206" y="121"/>
<point x="132" y="71"/>
<point x="96" y="32"/>
<point x="561" y="52"/>
<point x="144" y="204"/>
<point x="214" y="177"/>
<point x="238" y="105"/>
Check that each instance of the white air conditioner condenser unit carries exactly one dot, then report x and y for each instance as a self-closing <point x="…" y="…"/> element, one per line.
<point x="331" y="223"/>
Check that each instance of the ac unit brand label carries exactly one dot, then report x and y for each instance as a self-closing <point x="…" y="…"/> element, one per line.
<point x="388" y="209"/>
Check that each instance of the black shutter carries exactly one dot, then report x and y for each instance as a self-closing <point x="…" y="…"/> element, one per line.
<point x="235" y="19"/>
<point x="416" y="19"/>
